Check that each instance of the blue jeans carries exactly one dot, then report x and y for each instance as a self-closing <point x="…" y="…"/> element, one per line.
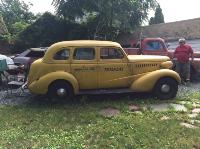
<point x="183" y="69"/>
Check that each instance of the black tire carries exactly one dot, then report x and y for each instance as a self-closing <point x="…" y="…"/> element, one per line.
<point x="60" y="85"/>
<point x="166" y="88"/>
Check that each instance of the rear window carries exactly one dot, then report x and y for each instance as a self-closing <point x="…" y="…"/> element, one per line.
<point x="35" y="54"/>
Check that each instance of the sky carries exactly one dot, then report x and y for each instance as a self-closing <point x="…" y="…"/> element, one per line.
<point x="173" y="10"/>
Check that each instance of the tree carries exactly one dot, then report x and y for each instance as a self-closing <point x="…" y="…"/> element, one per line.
<point x="3" y="28"/>
<point x="109" y="17"/>
<point x="158" y="17"/>
<point x="15" y="11"/>
<point x="47" y="30"/>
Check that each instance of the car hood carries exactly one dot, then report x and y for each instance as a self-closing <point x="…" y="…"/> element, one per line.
<point x="147" y="58"/>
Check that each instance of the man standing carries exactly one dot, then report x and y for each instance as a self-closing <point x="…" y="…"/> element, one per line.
<point x="183" y="53"/>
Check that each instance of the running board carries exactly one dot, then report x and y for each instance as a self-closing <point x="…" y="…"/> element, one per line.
<point x="105" y="91"/>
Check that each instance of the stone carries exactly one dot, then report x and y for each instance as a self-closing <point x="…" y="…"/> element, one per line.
<point x="134" y="108"/>
<point x="166" y="106"/>
<point x="194" y="121"/>
<point x="193" y="115"/>
<point x="184" y="102"/>
<point x="164" y="118"/>
<point x="160" y="107"/>
<point x="196" y="110"/>
<point x="179" y="107"/>
<point x="138" y="112"/>
<point x="195" y="105"/>
<point x="188" y="125"/>
<point x="109" y="112"/>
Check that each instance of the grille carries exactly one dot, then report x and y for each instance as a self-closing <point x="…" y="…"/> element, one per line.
<point x="146" y="65"/>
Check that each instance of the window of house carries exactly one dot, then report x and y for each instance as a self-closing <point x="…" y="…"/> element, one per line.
<point x="111" y="53"/>
<point x="62" y="55"/>
<point x="84" y="54"/>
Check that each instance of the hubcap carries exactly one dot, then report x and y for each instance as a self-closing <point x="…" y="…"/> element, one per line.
<point x="61" y="92"/>
<point x="165" y="88"/>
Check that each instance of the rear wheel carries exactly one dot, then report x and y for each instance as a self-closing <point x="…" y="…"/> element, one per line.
<point x="166" y="88"/>
<point x="60" y="90"/>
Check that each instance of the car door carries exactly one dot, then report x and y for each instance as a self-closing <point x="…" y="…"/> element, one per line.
<point x="84" y="67"/>
<point x="114" y="69"/>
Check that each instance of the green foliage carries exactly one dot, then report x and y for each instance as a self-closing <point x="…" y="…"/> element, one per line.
<point x="17" y="17"/>
<point x="107" y="17"/>
<point x="47" y="30"/>
<point x="75" y="125"/>
<point x="158" y="18"/>
<point x="15" y="11"/>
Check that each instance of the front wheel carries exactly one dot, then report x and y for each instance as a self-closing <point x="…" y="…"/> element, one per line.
<point x="166" y="88"/>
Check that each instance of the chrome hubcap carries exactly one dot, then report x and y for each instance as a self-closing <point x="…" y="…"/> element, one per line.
<point x="61" y="92"/>
<point x="165" y="88"/>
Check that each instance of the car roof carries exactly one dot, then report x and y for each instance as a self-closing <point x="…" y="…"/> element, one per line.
<point x="78" y="43"/>
<point x="86" y="43"/>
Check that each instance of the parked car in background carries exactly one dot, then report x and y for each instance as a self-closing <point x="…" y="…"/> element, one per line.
<point x="27" y="57"/>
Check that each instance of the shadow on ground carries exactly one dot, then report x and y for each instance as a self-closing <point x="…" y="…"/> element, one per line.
<point x="93" y="99"/>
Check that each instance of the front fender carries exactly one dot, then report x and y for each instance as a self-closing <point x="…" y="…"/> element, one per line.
<point x="41" y="85"/>
<point x="147" y="82"/>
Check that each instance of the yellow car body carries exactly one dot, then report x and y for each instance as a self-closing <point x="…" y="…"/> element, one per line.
<point x="88" y="65"/>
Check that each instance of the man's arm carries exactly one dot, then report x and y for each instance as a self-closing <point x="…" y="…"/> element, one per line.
<point x="174" y="54"/>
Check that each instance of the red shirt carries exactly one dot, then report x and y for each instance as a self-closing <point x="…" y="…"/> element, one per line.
<point x="183" y="52"/>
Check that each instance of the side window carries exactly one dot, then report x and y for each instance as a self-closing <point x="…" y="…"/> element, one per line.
<point x="153" y="45"/>
<point x="84" y="54"/>
<point x="62" y="55"/>
<point x="111" y="53"/>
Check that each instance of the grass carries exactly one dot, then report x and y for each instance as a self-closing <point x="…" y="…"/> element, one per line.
<point x="78" y="125"/>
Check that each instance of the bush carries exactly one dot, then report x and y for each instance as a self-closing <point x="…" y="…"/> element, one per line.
<point x="47" y="30"/>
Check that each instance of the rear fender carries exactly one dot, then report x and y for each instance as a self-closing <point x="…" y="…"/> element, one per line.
<point x="41" y="85"/>
<point x="147" y="82"/>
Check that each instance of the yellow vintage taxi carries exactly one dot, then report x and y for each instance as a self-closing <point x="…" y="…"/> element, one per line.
<point x="70" y="68"/>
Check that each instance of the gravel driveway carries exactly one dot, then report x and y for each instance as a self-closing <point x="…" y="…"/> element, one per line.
<point x="28" y="99"/>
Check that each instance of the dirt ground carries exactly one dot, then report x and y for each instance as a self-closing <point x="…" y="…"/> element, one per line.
<point x="28" y="99"/>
